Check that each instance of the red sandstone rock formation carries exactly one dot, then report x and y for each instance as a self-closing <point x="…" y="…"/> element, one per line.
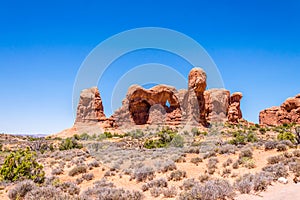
<point x="216" y="105"/>
<point x="164" y="105"/>
<point x="140" y="103"/>
<point x="234" y="110"/>
<point x="90" y="108"/>
<point x="288" y="112"/>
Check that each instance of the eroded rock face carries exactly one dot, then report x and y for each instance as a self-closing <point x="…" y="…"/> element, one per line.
<point x="288" y="112"/>
<point x="164" y="105"/>
<point x="90" y="108"/>
<point x="139" y="102"/>
<point x="196" y="101"/>
<point x="216" y="105"/>
<point x="234" y="110"/>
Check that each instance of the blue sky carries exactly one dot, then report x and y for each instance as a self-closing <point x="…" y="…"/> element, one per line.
<point x="255" y="44"/>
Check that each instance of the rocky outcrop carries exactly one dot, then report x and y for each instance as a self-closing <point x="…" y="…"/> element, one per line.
<point x="234" y="110"/>
<point x="90" y="108"/>
<point x="164" y="105"/>
<point x="288" y="112"/>
<point x="141" y="106"/>
<point x="216" y="105"/>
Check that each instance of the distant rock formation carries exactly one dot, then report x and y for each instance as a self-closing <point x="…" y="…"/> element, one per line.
<point x="288" y="112"/>
<point x="164" y="105"/>
<point x="90" y="108"/>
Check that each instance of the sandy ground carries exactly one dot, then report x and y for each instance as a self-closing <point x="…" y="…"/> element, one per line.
<point x="290" y="191"/>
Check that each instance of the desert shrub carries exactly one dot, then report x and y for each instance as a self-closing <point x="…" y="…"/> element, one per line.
<point x="177" y="141"/>
<point x="243" y="138"/>
<point x="144" y="173"/>
<point x="158" y="183"/>
<point x="165" y="137"/>
<point x="281" y="147"/>
<point x="296" y="153"/>
<point x="257" y="182"/>
<point x="188" y="184"/>
<point x="247" y="162"/>
<point x="287" y="143"/>
<point x="275" y="159"/>
<point x="93" y="164"/>
<point x="194" y="150"/>
<point x="21" y="165"/>
<point x="21" y="189"/>
<point x="47" y="192"/>
<point x="286" y="136"/>
<point x="115" y="194"/>
<point x="69" y="187"/>
<point x="196" y="160"/>
<point x="88" y="176"/>
<point x="278" y="170"/>
<point x="227" y="149"/>
<point x="177" y="175"/>
<point x="79" y="180"/>
<point x="262" y="130"/>
<point x="226" y="172"/>
<point x="212" y="163"/>
<point x="227" y="162"/>
<point x="170" y="192"/>
<point x="203" y="178"/>
<point x="155" y="192"/>
<point x="166" y="166"/>
<point x="235" y="165"/>
<point x="136" y="134"/>
<point x="270" y="145"/>
<point x="57" y="171"/>
<point x="77" y="170"/>
<point x="295" y="168"/>
<point x="209" y="154"/>
<point x="83" y="136"/>
<point x="244" y="184"/>
<point x="246" y="153"/>
<point x="262" y="180"/>
<point x="213" y="190"/>
<point x="103" y="183"/>
<point x="69" y="143"/>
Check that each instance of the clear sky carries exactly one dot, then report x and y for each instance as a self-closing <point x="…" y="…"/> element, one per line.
<point x="255" y="44"/>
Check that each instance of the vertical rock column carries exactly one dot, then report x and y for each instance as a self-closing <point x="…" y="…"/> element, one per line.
<point x="234" y="111"/>
<point x="90" y="108"/>
<point x="196" y="100"/>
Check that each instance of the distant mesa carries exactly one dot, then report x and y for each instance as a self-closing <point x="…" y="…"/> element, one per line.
<point x="287" y="113"/>
<point x="163" y="105"/>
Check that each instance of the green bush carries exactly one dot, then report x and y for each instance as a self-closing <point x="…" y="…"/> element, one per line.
<point x="84" y="136"/>
<point x="77" y="170"/>
<point x="262" y="130"/>
<point x="178" y="141"/>
<point x="243" y="138"/>
<point x="21" y="165"/>
<point x="286" y="136"/>
<point x="165" y="137"/>
<point x="69" y="143"/>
